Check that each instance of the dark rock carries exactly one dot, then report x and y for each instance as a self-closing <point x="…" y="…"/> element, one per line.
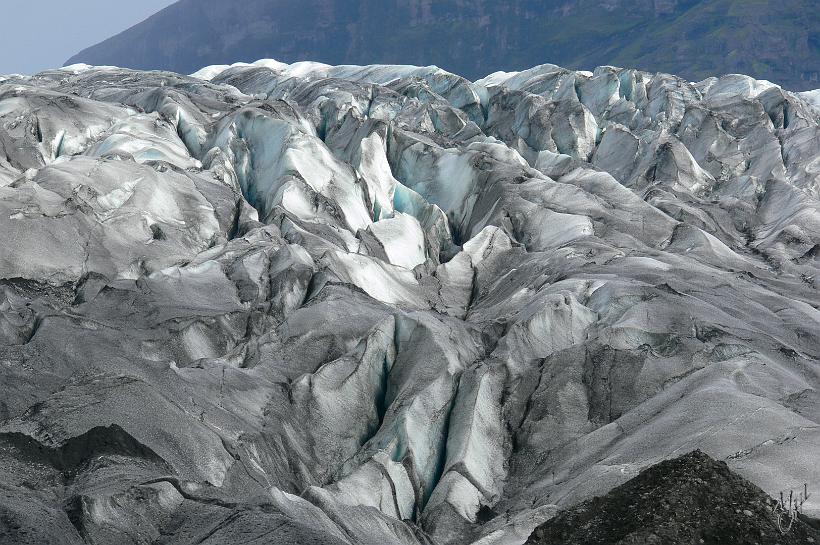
<point x="690" y="500"/>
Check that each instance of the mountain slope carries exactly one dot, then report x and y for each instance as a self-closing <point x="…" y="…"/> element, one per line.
<point x="767" y="39"/>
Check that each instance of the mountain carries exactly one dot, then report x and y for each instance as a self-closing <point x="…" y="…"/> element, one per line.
<point x="692" y="499"/>
<point x="367" y="305"/>
<point x="773" y="40"/>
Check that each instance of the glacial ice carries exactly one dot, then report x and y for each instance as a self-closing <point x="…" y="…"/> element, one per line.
<point x="385" y="304"/>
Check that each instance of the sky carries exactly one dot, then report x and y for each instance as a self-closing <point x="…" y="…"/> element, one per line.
<point x="40" y="34"/>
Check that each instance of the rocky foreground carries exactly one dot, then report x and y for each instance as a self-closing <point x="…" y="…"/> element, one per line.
<point x="692" y="499"/>
<point x="365" y="305"/>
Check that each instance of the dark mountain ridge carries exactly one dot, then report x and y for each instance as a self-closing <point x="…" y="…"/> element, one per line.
<point x="778" y="41"/>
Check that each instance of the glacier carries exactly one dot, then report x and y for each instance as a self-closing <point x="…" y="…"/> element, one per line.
<point x="385" y="304"/>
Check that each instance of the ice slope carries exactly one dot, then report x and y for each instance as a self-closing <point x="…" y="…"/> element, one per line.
<point x="812" y="97"/>
<point x="339" y="304"/>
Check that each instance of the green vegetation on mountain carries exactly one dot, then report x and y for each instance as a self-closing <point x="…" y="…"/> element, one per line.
<point x="767" y="39"/>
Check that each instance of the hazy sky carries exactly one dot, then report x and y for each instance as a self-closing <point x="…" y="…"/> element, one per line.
<point x="40" y="34"/>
